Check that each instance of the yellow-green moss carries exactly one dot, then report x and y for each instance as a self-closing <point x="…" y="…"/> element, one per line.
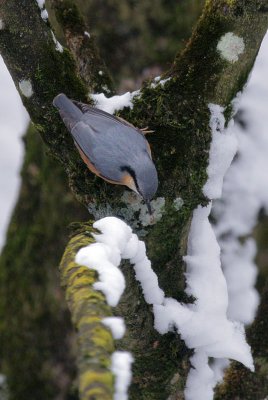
<point x="88" y="306"/>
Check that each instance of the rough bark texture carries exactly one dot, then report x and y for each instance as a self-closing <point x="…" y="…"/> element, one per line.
<point x="82" y="45"/>
<point x="178" y="112"/>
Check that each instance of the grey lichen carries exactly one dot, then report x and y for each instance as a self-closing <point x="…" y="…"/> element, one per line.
<point x="178" y="203"/>
<point x="231" y="46"/>
<point x="134" y="211"/>
<point x="26" y="88"/>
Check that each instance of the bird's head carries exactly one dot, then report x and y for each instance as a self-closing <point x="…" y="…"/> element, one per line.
<point x="144" y="180"/>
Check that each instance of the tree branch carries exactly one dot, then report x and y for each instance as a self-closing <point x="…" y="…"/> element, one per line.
<point x="82" y="45"/>
<point x="88" y="307"/>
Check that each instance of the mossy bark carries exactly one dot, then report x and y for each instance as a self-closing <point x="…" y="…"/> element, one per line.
<point x="178" y="112"/>
<point x="88" y="306"/>
<point x="81" y="43"/>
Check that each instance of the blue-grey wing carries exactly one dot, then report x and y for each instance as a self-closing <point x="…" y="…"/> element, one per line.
<point x="90" y="112"/>
<point x="109" y="144"/>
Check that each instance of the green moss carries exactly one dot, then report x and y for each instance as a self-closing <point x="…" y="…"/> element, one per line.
<point x="88" y="381"/>
<point x="69" y="16"/>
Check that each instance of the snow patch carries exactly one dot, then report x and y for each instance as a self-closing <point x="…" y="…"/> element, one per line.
<point x="199" y="384"/>
<point x="116" y="326"/>
<point x="231" y="46"/>
<point x="245" y="193"/>
<point x="26" y="88"/>
<point x="121" y="368"/>
<point x="58" y="46"/>
<point x="87" y="34"/>
<point x="222" y="150"/>
<point x="41" y="3"/>
<point x="114" y="103"/>
<point x="158" y="81"/>
<point x="44" y="15"/>
<point x="105" y="260"/>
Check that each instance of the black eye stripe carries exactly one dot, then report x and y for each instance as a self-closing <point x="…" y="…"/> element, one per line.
<point x="131" y="172"/>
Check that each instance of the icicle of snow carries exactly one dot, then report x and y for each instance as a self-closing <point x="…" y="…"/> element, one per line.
<point x="222" y="150"/>
<point x="121" y="368"/>
<point x="200" y="381"/>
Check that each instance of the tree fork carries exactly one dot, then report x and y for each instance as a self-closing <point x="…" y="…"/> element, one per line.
<point x="82" y="45"/>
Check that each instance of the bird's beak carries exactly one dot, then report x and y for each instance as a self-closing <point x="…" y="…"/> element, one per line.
<point x="148" y="204"/>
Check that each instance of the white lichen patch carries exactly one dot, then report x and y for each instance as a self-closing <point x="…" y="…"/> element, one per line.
<point x="231" y="46"/>
<point x="57" y="44"/>
<point x="2" y="24"/>
<point x="178" y="203"/>
<point x="145" y="219"/>
<point x="134" y="211"/>
<point x="26" y="88"/>
<point x="132" y="199"/>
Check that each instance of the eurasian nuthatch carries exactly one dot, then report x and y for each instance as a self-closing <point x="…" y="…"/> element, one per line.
<point x="112" y="148"/>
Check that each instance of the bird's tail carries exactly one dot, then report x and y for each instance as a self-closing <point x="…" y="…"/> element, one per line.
<point x="69" y="112"/>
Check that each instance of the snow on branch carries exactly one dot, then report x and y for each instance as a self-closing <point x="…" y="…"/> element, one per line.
<point x="115" y="103"/>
